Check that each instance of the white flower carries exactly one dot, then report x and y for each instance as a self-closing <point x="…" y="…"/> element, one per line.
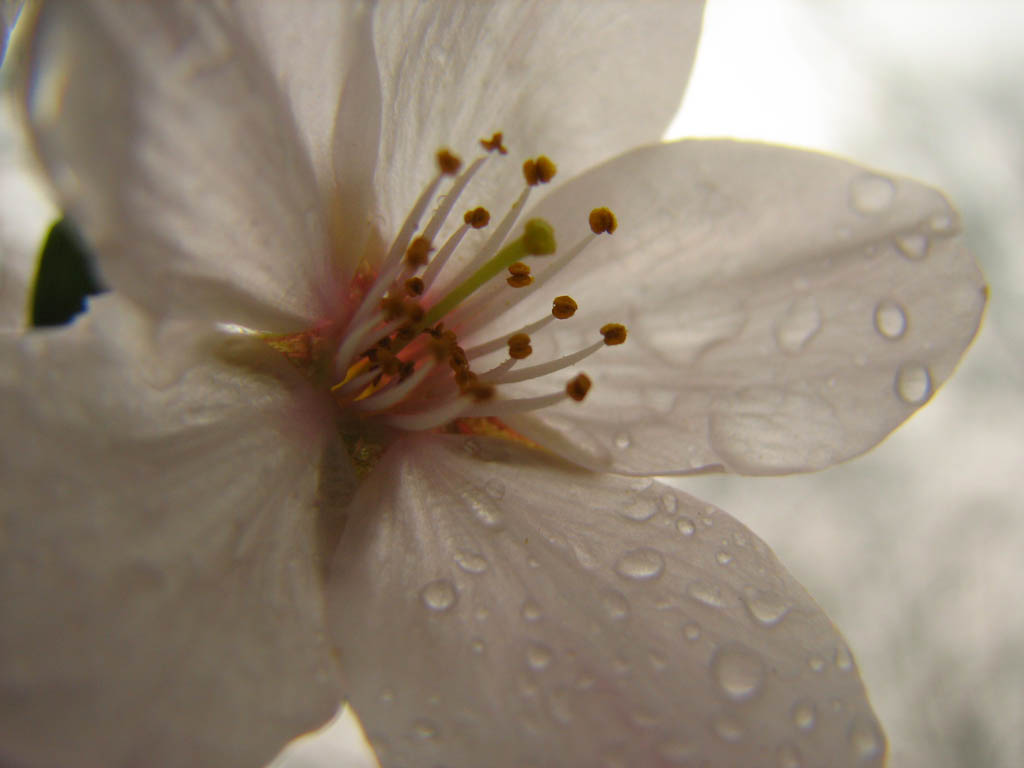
<point x="205" y="547"/>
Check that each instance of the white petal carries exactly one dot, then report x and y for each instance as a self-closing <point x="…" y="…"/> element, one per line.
<point x="578" y="82"/>
<point x="495" y="608"/>
<point x="786" y="310"/>
<point x="177" y="156"/>
<point x="161" y="604"/>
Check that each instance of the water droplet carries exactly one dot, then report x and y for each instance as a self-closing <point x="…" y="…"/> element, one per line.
<point x="669" y="502"/>
<point x="622" y="441"/>
<point x="798" y="325"/>
<point x="481" y="613"/>
<point x="424" y="729"/>
<point x="913" y="383"/>
<point x="531" y="611"/>
<point x="844" y="660"/>
<point x="788" y="756"/>
<point x="871" y="193"/>
<point x="914" y="246"/>
<point x="816" y="663"/>
<point x="685" y="526"/>
<point x="538" y="656"/>
<point x="641" y="564"/>
<point x="585" y="681"/>
<point x="890" y="320"/>
<point x="766" y="608"/>
<point x="640" y="509"/>
<point x="676" y="752"/>
<point x="738" y="671"/>
<point x="728" y="729"/>
<point x="708" y="594"/>
<point x="691" y="631"/>
<point x="804" y="715"/>
<point x="740" y="539"/>
<point x="387" y="696"/>
<point x="483" y="509"/>
<point x="658" y="660"/>
<point x="476" y="645"/>
<point x="866" y="738"/>
<point x="941" y="223"/>
<point x="723" y="557"/>
<point x="470" y="562"/>
<point x="616" y="607"/>
<point x="532" y="562"/>
<point x="495" y="489"/>
<point x="438" y="595"/>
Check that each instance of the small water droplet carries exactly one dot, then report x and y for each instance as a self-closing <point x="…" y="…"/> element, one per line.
<point x="788" y="756"/>
<point x="438" y="595"/>
<point x="476" y="645"/>
<point x="816" y="663"/>
<point x="708" y="594"/>
<point x="470" y="562"/>
<point x="481" y="613"/>
<point x="871" y="193"/>
<point x="866" y="738"/>
<point x="723" y="557"/>
<point x="740" y="539"/>
<point x="844" y="660"/>
<point x="640" y="564"/>
<point x="387" y="695"/>
<point x="622" y="441"/>
<point x="685" y="526"/>
<point x="804" y="715"/>
<point x="532" y="562"/>
<point x="640" y="509"/>
<point x="798" y="325"/>
<point x="913" y="383"/>
<point x="495" y="489"/>
<point x="424" y="729"/>
<point x="941" y="223"/>
<point x="531" y="611"/>
<point x="738" y="671"/>
<point x="691" y="631"/>
<point x="669" y="502"/>
<point x="728" y="729"/>
<point x="890" y="320"/>
<point x="616" y="607"/>
<point x="914" y="246"/>
<point x="658" y="660"/>
<point x="538" y="656"/>
<point x="766" y="608"/>
<point x="677" y="752"/>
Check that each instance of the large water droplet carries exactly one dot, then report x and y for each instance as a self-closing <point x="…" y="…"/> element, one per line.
<point x="644" y="563"/>
<point x="640" y="509"/>
<point x="871" y="193"/>
<point x="538" y="656"/>
<point x="622" y="440"/>
<point x="616" y="607"/>
<point x="804" y="715"/>
<point x="788" y="756"/>
<point x="913" y="383"/>
<point x="914" y="246"/>
<point x="470" y="562"/>
<point x="685" y="526"/>
<point x="483" y="508"/>
<point x="708" y="594"/>
<point x="890" y="320"/>
<point x="865" y="738"/>
<point x="495" y="489"/>
<point x="798" y="325"/>
<point x="728" y="728"/>
<point x="738" y="671"/>
<point x="530" y="611"/>
<point x="438" y="595"/>
<point x="766" y="608"/>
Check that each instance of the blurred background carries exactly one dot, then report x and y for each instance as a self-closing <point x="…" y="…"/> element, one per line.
<point x="916" y="550"/>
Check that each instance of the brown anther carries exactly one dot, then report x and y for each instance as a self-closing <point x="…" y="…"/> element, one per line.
<point x="464" y="378"/>
<point x="405" y="333"/>
<point x="478" y="218"/>
<point x="577" y="388"/>
<point x="391" y="306"/>
<point x="414" y="286"/>
<point x="387" y="362"/>
<point x="602" y="220"/>
<point x="614" y="333"/>
<point x="479" y="390"/>
<point x="519" y="275"/>
<point x="439" y="349"/>
<point x="494" y="144"/>
<point x="418" y="252"/>
<point x="448" y="162"/>
<point x="564" y="307"/>
<point x="519" y="346"/>
<point x="412" y="310"/>
<point x="539" y="170"/>
<point x="457" y="359"/>
<point x="406" y="370"/>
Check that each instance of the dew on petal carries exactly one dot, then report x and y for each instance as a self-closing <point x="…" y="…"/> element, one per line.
<point x="722" y="557"/>
<point x="691" y="631"/>
<point x="685" y="526"/>
<point x="914" y="246"/>
<point x="798" y="325"/>
<point x="438" y="595"/>
<point x="844" y="659"/>
<point x="788" y="756"/>
<point x="890" y="320"/>
<point x="387" y="696"/>
<point x="470" y="562"/>
<point x="816" y="663"/>
<point x="476" y="645"/>
<point x="708" y="594"/>
<point x="640" y="509"/>
<point x="669" y="502"/>
<point x="871" y="193"/>
<point x="640" y="564"/>
<point x="616" y="607"/>
<point x="622" y="440"/>
<point x="658" y="660"/>
<point x="738" y="671"/>
<point x="530" y="611"/>
<point x="766" y="608"/>
<point x="941" y="223"/>
<point x="424" y="730"/>
<point x="483" y="509"/>
<point x="913" y="383"/>
<point x="865" y="738"/>
<point x="728" y="729"/>
<point x="804" y="715"/>
<point x="538" y="656"/>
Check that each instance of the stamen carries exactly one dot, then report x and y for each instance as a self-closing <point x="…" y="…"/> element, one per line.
<point x="494" y="143"/>
<point x="414" y="286"/>
<point x="519" y="275"/>
<point x="563" y="307"/>
<point x="539" y="171"/>
<point x="602" y="220"/>
<point x="499" y="370"/>
<point x="519" y="346"/>
<point x="448" y="202"/>
<point x="418" y="252"/>
<point x="576" y="390"/>
<point x="614" y="334"/>
<point x="578" y="387"/>
<point x="448" y="163"/>
<point x="389" y="397"/>
<point x="478" y="218"/>
<point x="437" y="263"/>
<point x="359" y="339"/>
<point x="543" y="369"/>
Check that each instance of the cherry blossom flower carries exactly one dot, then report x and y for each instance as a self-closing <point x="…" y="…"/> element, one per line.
<point x="370" y="412"/>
